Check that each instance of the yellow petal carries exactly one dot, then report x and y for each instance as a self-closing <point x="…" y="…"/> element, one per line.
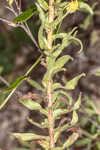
<point x="10" y="2"/>
<point x="72" y="6"/>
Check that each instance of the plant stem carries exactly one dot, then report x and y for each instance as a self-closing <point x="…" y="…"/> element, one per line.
<point x="50" y="115"/>
<point x="49" y="95"/>
<point x="50" y="19"/>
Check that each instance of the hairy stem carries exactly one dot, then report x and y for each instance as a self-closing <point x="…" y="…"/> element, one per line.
<point x="49" y="95"/>
<point x="50" y="115"/>
<point x="50" y="19"/>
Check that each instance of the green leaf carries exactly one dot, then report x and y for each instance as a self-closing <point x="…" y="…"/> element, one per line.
<point x="78" y="103"/>
<point x="13" y="88"/>
<point x="56" y="136"/>
<point x="30" y="104"/>
<point x="83" y="122"/>
<point x="10" y="2"/>
<point x="45" y="78"/>
<point x="98" y="145"/>
<point x="74" y="118"/>
<point x="55" y="95"/>
<point x="60" y="62"/>
<point x="89" y="111"/>
<point x="58" y="1"/>
<point x="56" y="86"/>
<point x="67" y="96"/>
<point x="56" y="70"/>
<point x="86" y="23"/>
<point x="91" y="104"/>
<point x="83" y="142"/>
<point x="72" y="83"/>
<point x="43" y="4"/>
<point x="35" y="84"/>
<point x="63" y="128"/>
<point x="59" y="112"/>
<point x="71" y="140"/>
<point x="59" y="36"/>
<point x="58" y="65"/>
<point x="35" y="123"/>
<point x="41" y="13"/>
<point x="28" y="136"/>
<point x="45" y="124"/>
<point x="16" y="83"/>
<point x="6" y="100"/>
<point x="40" y="37"/>
<point x="60" y="48"/>
<point x="85" y="7"/>
<point x="27" y="14"/>
<point x="76" y="40"/>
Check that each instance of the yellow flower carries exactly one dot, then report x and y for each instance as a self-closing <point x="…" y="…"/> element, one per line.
<point x="10" y="2"/>
<point x="72" y="6"/>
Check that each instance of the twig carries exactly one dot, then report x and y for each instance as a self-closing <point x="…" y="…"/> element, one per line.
<point x="8" y="22"/>
<point x="4" y="81"/>
<point x="18" y="5"/>
<point x="22" y="25"/>
<point x="27" y="30"/>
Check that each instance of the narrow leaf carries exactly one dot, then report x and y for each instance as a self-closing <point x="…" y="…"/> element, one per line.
<point x="74" y="39"/>
<point x="83" y="142"/>
<point x="71" y="140"/>
<point x="78" y="103"/>
<point x="56" y="70"/>
<point x="28" y="136"/>
<point x="16" y="83"/>
<point x="35" y="84"/>
<point x="40" y="37"/>
<point x="72" y="83"/>
<point x="59" y="112"/>
<point x="30" y="104"/>
<point x="35" y="123"/>
<point x="6" y="100"/>
<point x="43" y="4"/>
<point x="60" y="62"/>
<point x="58" y="1"/>
<point x="56" y="86"/>
<point x="41" y="13"/>
<point x="27" y="14"/>
<point x="74" y="118"/>
<point x="85" y="7"/>
<point x="13" y="88"/>
<point x="56" y="136"/>
<point x="55" y="95"/>
<point x="67" y="96"/>
<point x="45" y="78"/>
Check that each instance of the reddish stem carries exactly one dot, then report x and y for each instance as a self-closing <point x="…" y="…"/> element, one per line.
<point x="50" y="116"/>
